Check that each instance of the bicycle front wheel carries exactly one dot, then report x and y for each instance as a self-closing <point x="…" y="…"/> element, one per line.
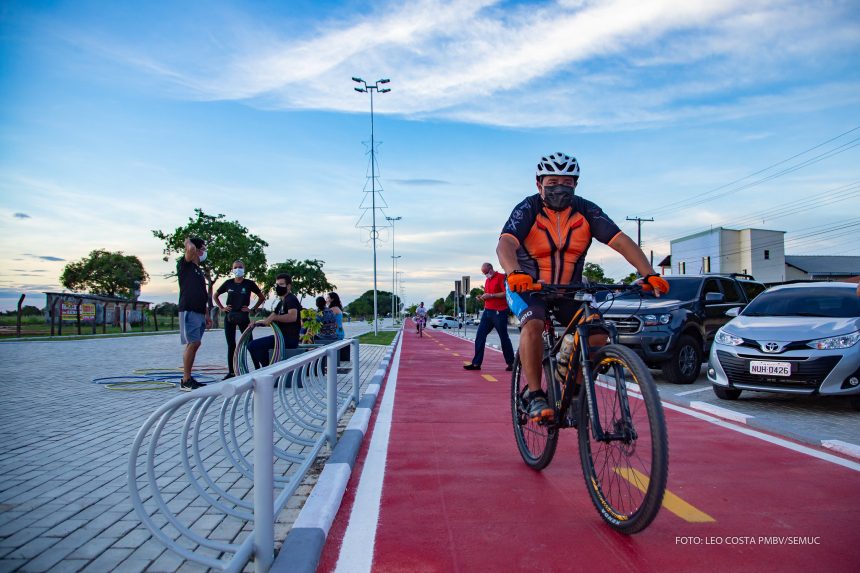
<point x="535" y="441"/>
<point x="625" y="473"/>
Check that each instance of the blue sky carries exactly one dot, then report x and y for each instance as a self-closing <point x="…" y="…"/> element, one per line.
<point x="117" y="118"/>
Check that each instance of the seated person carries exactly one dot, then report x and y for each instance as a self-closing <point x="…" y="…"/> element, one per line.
<point x="286" y="317"/>
<point x="325" y="316"/>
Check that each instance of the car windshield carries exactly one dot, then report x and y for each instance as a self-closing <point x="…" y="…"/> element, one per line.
<point x="679" y="289"/>
<point x="829" y="302"/>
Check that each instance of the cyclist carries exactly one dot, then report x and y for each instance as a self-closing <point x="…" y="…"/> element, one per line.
<point x="545" y="239"/>
<point x="420" y="317"/>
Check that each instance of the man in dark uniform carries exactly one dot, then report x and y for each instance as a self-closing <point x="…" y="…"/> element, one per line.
<point x="238" y="291"/>
<point x="193" y="307"/>
<point x="286" y="316"/>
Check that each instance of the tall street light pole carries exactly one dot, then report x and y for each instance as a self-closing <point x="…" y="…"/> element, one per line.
<point x="393" y="261"/>
<point x="373" y="234"/>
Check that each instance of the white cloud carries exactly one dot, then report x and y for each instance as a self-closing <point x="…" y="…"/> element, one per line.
<point x="615" y="63"/>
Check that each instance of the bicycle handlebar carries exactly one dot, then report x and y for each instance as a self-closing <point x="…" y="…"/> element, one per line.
<point x="587" y="287"/>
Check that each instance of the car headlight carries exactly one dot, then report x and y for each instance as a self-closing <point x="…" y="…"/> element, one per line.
<point x="655" y="319"/>
<point x="724" y="337"/>
<point x="835" y="342"/>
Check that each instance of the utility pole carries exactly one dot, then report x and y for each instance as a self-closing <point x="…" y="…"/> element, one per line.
<point x="639" y="221"/>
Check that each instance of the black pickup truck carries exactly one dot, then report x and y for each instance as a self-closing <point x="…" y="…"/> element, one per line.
<point x="674" y="332"/>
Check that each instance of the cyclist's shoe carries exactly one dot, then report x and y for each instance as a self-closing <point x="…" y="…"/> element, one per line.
<point x="510" y="367"/>
<point x="190" y="384"/>
<point x="471" y="366"/>
<point x="539" y="409"/>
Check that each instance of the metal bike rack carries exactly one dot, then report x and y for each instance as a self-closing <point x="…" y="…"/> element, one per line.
<point x="244" y="446"/>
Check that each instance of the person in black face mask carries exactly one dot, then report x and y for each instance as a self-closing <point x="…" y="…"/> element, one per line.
<point x="286" y="316"/>
<point x="546" y="239"/>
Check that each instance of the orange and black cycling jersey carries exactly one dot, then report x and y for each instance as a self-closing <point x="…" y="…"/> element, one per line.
<point x="552" y="244"/>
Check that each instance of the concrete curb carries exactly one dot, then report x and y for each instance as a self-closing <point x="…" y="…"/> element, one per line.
<point x="304" y="544"/>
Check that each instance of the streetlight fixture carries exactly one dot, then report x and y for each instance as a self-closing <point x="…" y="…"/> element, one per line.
<point x="373" y="234"/>
<point x="393" y="261"/>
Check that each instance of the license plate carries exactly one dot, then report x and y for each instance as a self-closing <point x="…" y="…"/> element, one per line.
<point x="770" y="368"/>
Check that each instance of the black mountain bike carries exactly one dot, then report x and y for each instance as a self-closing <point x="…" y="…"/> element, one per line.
<point x="608" y="394"/>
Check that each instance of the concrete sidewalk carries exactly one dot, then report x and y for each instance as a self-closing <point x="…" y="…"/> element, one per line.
<point x="64" y="443"/>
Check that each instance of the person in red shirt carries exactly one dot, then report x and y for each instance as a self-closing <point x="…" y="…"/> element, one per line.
<point x="495" y="315"/>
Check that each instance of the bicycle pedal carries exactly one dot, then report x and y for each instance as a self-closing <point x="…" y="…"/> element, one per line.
<point x="544" y="417"/>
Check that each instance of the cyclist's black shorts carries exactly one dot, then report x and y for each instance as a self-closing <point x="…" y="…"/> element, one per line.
<point x="529" y="306"/>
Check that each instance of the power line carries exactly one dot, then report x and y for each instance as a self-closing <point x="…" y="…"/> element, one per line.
<point x="673" y="205"/>
<point x="639" y="221"/>
<point x="830" y="196"/>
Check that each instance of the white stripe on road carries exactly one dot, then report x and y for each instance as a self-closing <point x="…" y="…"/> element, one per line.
<point x="356" y="551"/>
<point x="842" y="447"/>
<point x="766" y="437"/>
<point x="721" y="412"/>
<point x="693" y="391"/>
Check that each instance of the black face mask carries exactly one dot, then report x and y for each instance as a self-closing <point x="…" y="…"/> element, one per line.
<point x="280" y="290"/>
<point x="558" y="197"/>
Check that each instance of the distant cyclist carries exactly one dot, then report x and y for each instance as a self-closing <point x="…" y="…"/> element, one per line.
<point x="545" y="239"/>
<point x="420" y="315"/>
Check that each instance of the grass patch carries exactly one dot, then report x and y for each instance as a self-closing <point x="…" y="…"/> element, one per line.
<point x="385" y="337"/>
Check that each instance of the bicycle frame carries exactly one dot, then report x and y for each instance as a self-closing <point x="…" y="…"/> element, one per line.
<point x="583" y="324"/>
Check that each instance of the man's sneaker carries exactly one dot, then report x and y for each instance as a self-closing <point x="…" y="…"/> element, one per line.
<point x="538" y="406"/>
<point x="472" y="367"/>
<point x="190" y="384"/>
<point x="509" y="367"/>
<point x="228" y="376"/>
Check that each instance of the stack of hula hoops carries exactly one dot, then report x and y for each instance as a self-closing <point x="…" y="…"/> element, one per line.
<point x="240" y="357"/>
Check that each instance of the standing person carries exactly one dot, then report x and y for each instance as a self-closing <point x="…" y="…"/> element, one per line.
<point x="193" y="307"/>
<point x="238" y="291"/>
<point x="286" y="316"/>
<point x="546" y="239"/>
<point x="420" y="314"/>
<point x="334" y="305"/>
<point x="495" y="315"/>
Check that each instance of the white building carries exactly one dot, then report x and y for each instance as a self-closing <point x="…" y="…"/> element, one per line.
<point x="756" y="252"/>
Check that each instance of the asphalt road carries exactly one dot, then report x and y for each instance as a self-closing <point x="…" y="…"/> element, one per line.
<point x="810" y="419"/>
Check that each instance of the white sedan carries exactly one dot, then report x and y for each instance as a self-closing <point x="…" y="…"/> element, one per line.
<point x="445" y="321"/>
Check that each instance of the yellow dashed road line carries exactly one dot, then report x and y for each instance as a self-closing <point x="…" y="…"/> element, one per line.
<point x="489" y="377"/>
<point x="670" y="501"/>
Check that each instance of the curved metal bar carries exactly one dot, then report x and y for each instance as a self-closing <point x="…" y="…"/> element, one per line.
<point x="183" y="530"/>
<point x="222" y="428"/>
<point x="161" y="415"/>
<point x="201" y="409"/>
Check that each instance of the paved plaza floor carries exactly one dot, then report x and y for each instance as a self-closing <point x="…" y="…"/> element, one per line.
<point x="64" y="444"/>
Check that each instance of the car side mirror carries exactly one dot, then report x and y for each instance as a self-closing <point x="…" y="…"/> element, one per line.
<point x="733" y="312"/>
<point x="715" y="297"/>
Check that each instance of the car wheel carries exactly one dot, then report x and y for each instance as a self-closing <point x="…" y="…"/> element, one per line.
<point x="724" y="393"/>
<point x="445" y="326"/>
<point x="855" y="402"/>
<point x="686" y="361"/>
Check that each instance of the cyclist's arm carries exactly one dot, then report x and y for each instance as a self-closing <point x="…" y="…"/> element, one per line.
<point x="507" y="253"/>
<point x="628" y="249"/>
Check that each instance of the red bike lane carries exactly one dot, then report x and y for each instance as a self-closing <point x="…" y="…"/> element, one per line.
<point x="456" y="495"/>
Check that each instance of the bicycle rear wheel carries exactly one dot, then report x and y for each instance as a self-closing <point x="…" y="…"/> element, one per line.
<point x="625" y="477"/>
<point x="536" y="442"/>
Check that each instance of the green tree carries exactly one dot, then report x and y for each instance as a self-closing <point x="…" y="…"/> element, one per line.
<point x="105" y="273"/>
<point x="308" y="277"/>
<point x="474" y="304"/>
<point x="630" y="279"/>
<point x="595" y="274"/>
<point x="166" y="309"/>
<point x="363" y="305"/>
<point x="410" y="310"/>
<point x="226" y="241"/>
<point x="439" y="307"/>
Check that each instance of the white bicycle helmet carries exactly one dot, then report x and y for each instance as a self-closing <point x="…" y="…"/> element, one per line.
<point x="557" y="164"/>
